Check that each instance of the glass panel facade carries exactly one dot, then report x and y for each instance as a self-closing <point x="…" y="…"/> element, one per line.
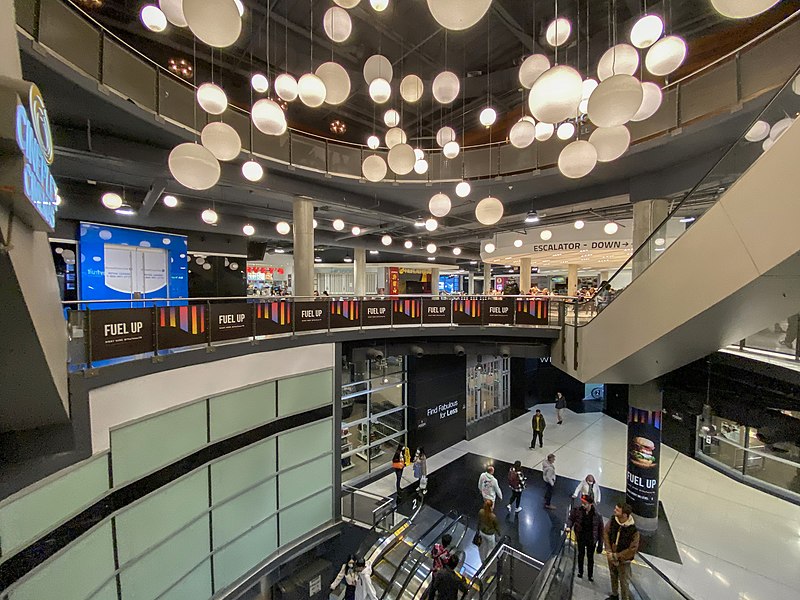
<point x="242" y="410"/>
<point x="305" y="392"/>
<point x="488" y="386"/>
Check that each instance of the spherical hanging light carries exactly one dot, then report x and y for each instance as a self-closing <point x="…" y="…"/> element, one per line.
<point x="259" y="82"/>
<point x="651" y="101"/>
<point x="579" y="224"/>
<point x="268" y="117"/>
<point x="610" y="142"/>
<point x="558" y="31"/>
<point x="286" y="87"/>
<point x="347" y="3"/>
<point x="170" y="201"/>
<point x="522" y="134"/>
<point x="395" y="136"/>
<point x="336" y="80"/>
<point x="457" y="251"/>
<point x="239" y="7"/>
<point x="457" y="15"/>
<point x="489" y="211"/>
<point x="615" y="101"/>
<point x="611" y="228"/>
<point x="173" y="10"/>
<point x="215" y="22"/>
<point x="373" y="142"/>
<point x="577" y="159"/>
<point x="380" y="90"/>
<point x="545" y="234"/>
<point x="153" y="18"/>
<point x="463" y="189"/>
<point x="431" y="224"/>
<point x="431" y="248"/>
<point x="665" y="56"/>
<point x="556" y="94"/>
<point x="622" y="59"/>
<point x="487" y="117"/>
<point x="757" y="132"/>
<point x="312" y="90"/>
<point x="401" y="159"/>
<point x="517" y="243"/>
<point x="111" y="200"/>
<point x="338" y="224"/>
<point x="222" y="140"/>
<point x="391" y="117"/>
<point x="419" y="153"/>
<point x="446" y="87"/>
<point x="742" y="9"/>
<point x="337" y="24"/>
<point x="411" y="88"/>
<point x="252" y="171"/>
<point x="408" y="244"/>
<point x="646" y="31"/>
<point x="767" y="144"/>
<point x="451" y="150"/>
<point x="193" y="166"/>
<point x="212" y="98"/>
<point x="445" y="135"/>
<point x="421" y="166"/>
<point x="796" y="85"/>
<point x="439" y="204"/>
<point x="532" y="68"/>
<point x="779" y="128"/>
<point x="374" y="168"/>
<point x="565" y="131"/>
<point x="248" y="230"/>
<point x="544" y="131"/>
<point x="588" y="86"/>
<point x="386" y="240"/>
<point x="283" y="227"/>
<point x="209" y="216"/>
<point x="377" y="66"/>
<point x="379" y="5"/>
<point x="489" y="247"/>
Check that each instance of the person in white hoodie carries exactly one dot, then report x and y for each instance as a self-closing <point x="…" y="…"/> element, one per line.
<point x="488" y="486"/>
<point x="549" y="476"/>
<point x="364" y="588"/>
<point x="588" y="487"/>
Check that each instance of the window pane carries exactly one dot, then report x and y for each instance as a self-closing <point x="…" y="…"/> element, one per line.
<point x="297" y="521"/>
<point x="305" y="392"/>
<point x="196" y="584"/>
<point x="240" y="470"/>
<point x="306" y="479"/>
<point x="245" y="553"/>
<point x="242" y="410"/>
<point x="305" y="443"/>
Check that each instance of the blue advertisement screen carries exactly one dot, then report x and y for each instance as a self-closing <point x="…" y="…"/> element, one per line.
<point x="124" y="264"/>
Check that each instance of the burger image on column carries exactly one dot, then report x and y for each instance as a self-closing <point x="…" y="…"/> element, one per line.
<point x="642" y="453"/>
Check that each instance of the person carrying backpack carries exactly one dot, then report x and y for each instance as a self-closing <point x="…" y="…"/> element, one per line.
<point x="516" y="481"/>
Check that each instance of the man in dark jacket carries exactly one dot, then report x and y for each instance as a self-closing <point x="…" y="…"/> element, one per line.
<point x="622" y="542"/>
<point x="446" y="583"/>
<point x="587" y="524"/>
<point x="538" y="425"/>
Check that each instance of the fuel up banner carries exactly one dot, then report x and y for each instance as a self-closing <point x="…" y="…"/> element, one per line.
<point x="121" y="332"/>
<point x="644" y="453"/>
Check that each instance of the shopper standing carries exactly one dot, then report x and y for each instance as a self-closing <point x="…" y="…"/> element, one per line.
<point x="621" y="540"/>
<point x="398" y="464"/>
<point x="489" y="529"/>
<point x="587" y="524"/>
<point x="364" y="588"/>
<point x="488" y="486"/>
<point x="588" y="487"/>
<point x="350" y="577"/>
<point x="549" y="476"/>
<point x="446" y="583"/>
<point x="561" y="404"/>
<point x="421" y="469"/>
<point x="516" y="481"/>
<point x="538" y="425"/>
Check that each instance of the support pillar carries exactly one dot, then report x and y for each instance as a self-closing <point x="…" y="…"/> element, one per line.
<point x="647" y="216"/>
<point x="303" y="232"/>
<point x="471" y="283"/>
<point x="435" y="282"/>
<point x="360" y="271"/>
<point x="487" y="278"/>
<point x="572" y="280"/>
<point x="524" y="275"/>
<point x="644" y="453"/>
<point x="602" y="277"/>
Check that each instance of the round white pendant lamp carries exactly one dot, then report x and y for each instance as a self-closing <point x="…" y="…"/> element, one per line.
<point x="665" y="56"/>
<point x="379" y="5"/>
<point x="796" y="85"/>
<point x="173" y="10"/>
<point x="545" y="234"/>
<point x="439" y="204"/>
<point x="517" y="243"/>
<point x="556" y="94"/>
<point x="611" y="228"/>
<point x="408" y="244"/>
<point x="391" y="117"/>
<point x="579" y="224"/>
<point x="311" y="90"/>
<point x="170" y="201"/>
<point x="610" y="142"/>
<point x="451" y="150"/>
<point x="395" y="136"/>
<point x="780" y="128"/>
<point x="239" y="7"/>
<point x="283" y="228"/>
<point x="767" y="144"/>
<point x="222" y="140"/>
<point x="411" y="88"/>
<point x="373" y="142"/>
<point x="622" y="59"/>
<point x="444" y="135"/>
<point x="646" y="31"/>
<point x="347" y="3"/>
<point x="386" y="240"/>
<point x="588" y="86"/>
<point x="111" y="200"/>
<point x="252" y="171"/>
<point x="337" y="24"/>
<point x="401" y="159"/>
<point x="286" y="87"/>
<point x="248" y="230"/>
<point x="431" y="248"/>
<point x="268" y="117"/>
<point x="463" y="188"/>
<point x="532" y="68"/>
<point x="651" y="101"/>
<point x="193" y="166"/>
<point x="487" y="117"/>
<point x="380" y="90"/>
<point x="577" y="159"/>
<point x="457" y="251"/>
<point x="558" y="32"/>
<point x="421" y="166"/>
<point x="758" y="132"/>
<point x="522" y="134"/>
<point x="544" y="131"/>
<point x="565" y="131"/>
<point x="431" y="224"/>
<point x="457" y="15"/>
<point x="153" y="18"/>
<point x="374" y="168"/>
<point x="215" y="22"/>
<point x="446" y="87"/>
<point x="377" y="66"/>
<point x="338" y="224"/>
<point x="742" y="9"/>
<point x="489" y="247"/>
<point x="489" y="211"/>
<point x="336" y="80"/>
<point x="211" y="217"/>
<point x="259" y="82"/>
<point x="615" y="101"/>
<point x="419" y="153"/>
<point x="212" y="98"/>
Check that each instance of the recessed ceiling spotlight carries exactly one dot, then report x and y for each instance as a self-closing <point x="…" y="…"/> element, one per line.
<point x="356" y="230"/>
<point x="431" y="258"/>
<point x="347" y="259"/>
<point x="420" y="224"/>
<point x="408" y="244"/>
<point x="579" y="224"/>
<point x="456" y="251"/>
<point x="688" y="219"/>
<point x="248" y="230"/>
<point x="317" y="259"/>
<point x="611" y="228"/>
<point x="338" y="224"/>
<point x="373" y="251"/>
<point x="170" y="201"/>
<point x="532" y="217"/>
<point x="280" y="251"/>
<point x="111" y="200"/>
<point x="518" y="243"/>
<point x="489" y="248"/>
<point x="125" y="210"/>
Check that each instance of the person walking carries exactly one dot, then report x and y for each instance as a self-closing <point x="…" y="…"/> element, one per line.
<point x="516" y="481"/>
<point x="447" y="583"/>
<point x="561" y="404"/>
<point x="587" y="524"/>
<point x="350" y="577"/>
<point x="488" y="486"/>
<point x="489" y="529"/>
<point x="398" y="464"/>
<point x="421" y="469"/>
<point x="621" y="539"/>
<point x="549" y="476"/>
<point x="588" y="487"/>
<point x="364" y="588"/>
<point x="538" y="425"/>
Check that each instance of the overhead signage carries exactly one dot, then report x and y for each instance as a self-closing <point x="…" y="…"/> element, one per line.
<point x="273" y="317"/>
<point x="644" y="453"/>
<point x="230" y="321"/>
<point x="182" y="326"/>
<point x="498" y="312"/>
<point x="436" y="312"/>
<point x="394" y="281"/>
<point x="589" y="245"/>
<point x="376" y="313"/>
<point x="120" y="332"/>
<point x="432" y="415"/>
<point x="310" y="316"/>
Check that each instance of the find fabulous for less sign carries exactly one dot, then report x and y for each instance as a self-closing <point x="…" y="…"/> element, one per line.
<point x="121" y="332"/>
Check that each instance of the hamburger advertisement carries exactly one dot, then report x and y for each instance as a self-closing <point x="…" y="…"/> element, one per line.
<point x="644" y="446"/>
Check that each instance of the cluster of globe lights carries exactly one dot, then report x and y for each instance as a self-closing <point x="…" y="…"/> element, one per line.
<point x="559" y="95"/>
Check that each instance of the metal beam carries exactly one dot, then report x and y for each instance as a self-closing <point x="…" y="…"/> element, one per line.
<point x="153" y="194"/>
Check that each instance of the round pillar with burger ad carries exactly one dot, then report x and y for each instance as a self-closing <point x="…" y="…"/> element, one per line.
<point x="644" y="454"/>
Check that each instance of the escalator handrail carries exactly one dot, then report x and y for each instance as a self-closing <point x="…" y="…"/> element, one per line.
<point x="544" y="581"/>
<point x="361" y="552"/>
<point x="660" y="573"/>
<point x="479" y="577"/>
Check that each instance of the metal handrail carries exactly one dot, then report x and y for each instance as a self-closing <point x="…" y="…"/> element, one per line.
<point x="556" y="297"/>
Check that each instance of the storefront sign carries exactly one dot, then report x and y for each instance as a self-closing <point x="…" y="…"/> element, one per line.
<point x="376" y="313"/>
<point x="406" y="311"/>
<point x="121" y="332"/>
<point x="345" y="313"/>
<point x="230" y="321"/>
<point x="467" y="311"/>
<point x="644" y="451"/>
<point x="532" y="311"/>
<point x="181" y="326"/>
<point x="432" y="415"/>
<point x="436" y="312"/>
<point x="273" y="317"/>
<point x="394" y="281"/>
<point x="309" y="316"/>
<point x="498" y="312"/>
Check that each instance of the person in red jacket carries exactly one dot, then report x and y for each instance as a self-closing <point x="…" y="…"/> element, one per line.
<point x="587" y="524"/>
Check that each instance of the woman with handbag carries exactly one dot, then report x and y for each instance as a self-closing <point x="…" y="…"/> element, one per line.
<point x="421" y="469"/>
<point x="398" y="464"/>
<point x="488" y="529"/>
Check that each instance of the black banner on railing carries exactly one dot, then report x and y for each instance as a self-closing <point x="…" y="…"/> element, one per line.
<point x="498" y="312"/>
<point x="310" y="316"/>
<point x="376" y="313"/>
<point x="273" y="316"/>
<point x="230" y="321"/>
<point x="467" y="311"/>
<point x="121" y="332"/>
<point x="181" y="326"/>
<point x="644" y="452"/>
<point x="532" y="311"/>
<point x="406" y="311"/>
<point x="345" y="313"/>
<point x="436" y="312"/>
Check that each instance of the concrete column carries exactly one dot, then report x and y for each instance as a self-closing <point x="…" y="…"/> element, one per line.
<point x="487" y="278"/>
<point x="524" y="275"/>
<point x="602" y="277"/>
<point x="471" y="283"/>
<point x="572" y="280"/>
<point x="360" y="271"/>
<point x="644" y="453"/>
<point x="303" y="231"/>
<point x="647" y="215"/>
<point x="435" y="281"/>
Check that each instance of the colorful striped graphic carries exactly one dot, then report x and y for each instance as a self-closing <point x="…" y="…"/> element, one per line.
<point x="191" y="319"/>
<point x="408" y="307"/>
<point x="536" y="307"/>
<point x="347" y="309"/>
<point x="471" y="308"/>
<point x="277" y="311"/>
<point x="646" y="417"/>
